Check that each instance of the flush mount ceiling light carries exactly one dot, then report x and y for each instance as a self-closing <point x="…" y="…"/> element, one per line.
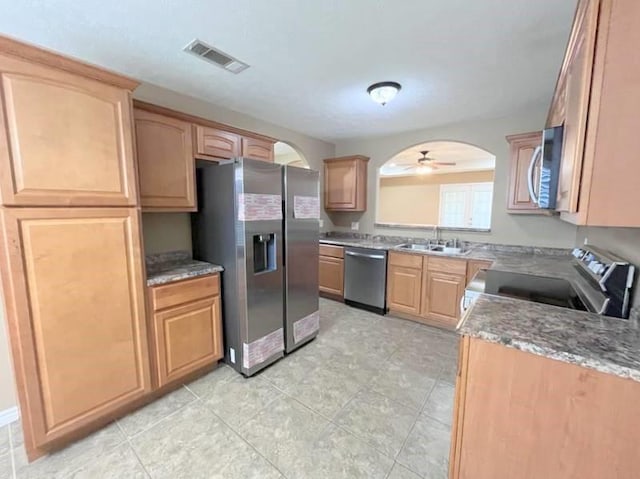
<point x="383" y="92"/>
<point x="424" y="169"/>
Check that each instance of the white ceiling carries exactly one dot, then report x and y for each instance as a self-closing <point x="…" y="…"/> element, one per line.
<point x="311" y="61"/>
<point x="467" y="158"/>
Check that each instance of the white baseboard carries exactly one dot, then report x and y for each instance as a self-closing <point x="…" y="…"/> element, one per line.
<point x="9" y="415"/>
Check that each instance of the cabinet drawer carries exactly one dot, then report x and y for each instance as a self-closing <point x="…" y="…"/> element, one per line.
<point x="329" y="250"/>
<point x="185" y="291"/>
<point x="448" y="265"/>
<point x="406" y="260"/>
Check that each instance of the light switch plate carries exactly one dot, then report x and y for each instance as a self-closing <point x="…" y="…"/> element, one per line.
<point x="355" y="226"/>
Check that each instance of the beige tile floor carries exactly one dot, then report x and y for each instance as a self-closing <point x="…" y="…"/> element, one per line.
<point x="371" y="397"/>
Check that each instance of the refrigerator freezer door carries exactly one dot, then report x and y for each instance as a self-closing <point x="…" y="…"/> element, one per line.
<point x="301" y="228"/>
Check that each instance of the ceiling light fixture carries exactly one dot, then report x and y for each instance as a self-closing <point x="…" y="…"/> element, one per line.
<point x="423" y="170"/>
<point x="383" y="92"/>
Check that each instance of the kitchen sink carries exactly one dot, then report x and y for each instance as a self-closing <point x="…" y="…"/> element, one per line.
<point x="434" y="248"/>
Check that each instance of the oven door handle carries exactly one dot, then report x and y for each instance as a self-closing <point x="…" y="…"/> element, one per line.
<point x="532" y="171"/>
<point x="368" y="256"/>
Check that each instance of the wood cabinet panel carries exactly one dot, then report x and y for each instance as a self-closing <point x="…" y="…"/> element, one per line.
<point x="448" y="265"/>
<point x="475" y="265"/>
<point x="330" y="250"/>
<point x="331" y="272"/>
<point x="345" y="183"/>
<point x="577" y="92"/>
<point x="64" y="139"/>
<point x="405" y="259"/>
<point x="527" y="416"/>
<point x="187" y="338"/>
<point x="166" y="165"/>
<point x="404" y="288"/>
<point x="257" y="149"/>
<point x="444" y="292"/>
<point x="174" y="294"/>
<point x="73" y="285"/>
<point x="521" y="148"/>
<point x="216" y="144"/>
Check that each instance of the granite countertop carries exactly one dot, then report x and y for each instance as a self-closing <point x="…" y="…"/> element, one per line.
<point x="174" y="266"/>
<point x="605" y="344"/>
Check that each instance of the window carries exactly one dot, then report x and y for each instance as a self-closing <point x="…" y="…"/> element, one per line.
<point x="466" y="205"/>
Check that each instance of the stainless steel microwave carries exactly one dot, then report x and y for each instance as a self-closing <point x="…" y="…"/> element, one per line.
<point x="544" y="191"/>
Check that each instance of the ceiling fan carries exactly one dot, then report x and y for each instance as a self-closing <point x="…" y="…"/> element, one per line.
<point x="428" y="164"/>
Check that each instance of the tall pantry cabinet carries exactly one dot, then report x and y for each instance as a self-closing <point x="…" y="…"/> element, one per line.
<point x="70" y="249"/>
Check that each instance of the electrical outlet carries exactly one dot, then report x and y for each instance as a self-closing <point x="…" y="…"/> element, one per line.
<point x="586" y="241"/>
<point x="321" y="223"/>
<point x="355" y="226"/>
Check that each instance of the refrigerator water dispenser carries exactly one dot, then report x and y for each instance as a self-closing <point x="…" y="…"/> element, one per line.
<point x="264" y="252"/>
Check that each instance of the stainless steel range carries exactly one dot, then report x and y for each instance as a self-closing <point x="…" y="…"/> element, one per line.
<point x="602" y="285"/>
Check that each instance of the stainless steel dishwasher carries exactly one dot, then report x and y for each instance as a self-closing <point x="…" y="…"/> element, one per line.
<point x="365" y="278"/>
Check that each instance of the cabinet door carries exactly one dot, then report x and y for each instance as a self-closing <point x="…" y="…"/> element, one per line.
<point x="73" y="285"/>
<point x="218" y="144"/>
<point x="578" y="90"/>
<point x="187" y="338"/>
<point x="64" y="139"/>
<point x="521" y="152"/>
<point x="257" y="149"/>
<point x="331" y="272"/>
<point x="165" y="162"/>
<point x="444" y="292"/>
<point x="404" y="287"/>
<point x="340" y="179"/>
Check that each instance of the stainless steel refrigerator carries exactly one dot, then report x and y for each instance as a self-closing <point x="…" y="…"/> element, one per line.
<point x="301" y="249"/>
<point x="239" y="225"/>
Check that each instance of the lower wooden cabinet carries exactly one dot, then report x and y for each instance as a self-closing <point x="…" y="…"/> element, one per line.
<point x="426" y="288"/>
<point x="520" y="415"/>
<point x="443" y="292"/>
<point x="186" y="327"/>
<point x="74" y="295"/>
<point x="331" y="273"/>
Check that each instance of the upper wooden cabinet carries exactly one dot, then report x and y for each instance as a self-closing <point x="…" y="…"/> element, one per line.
<point x="73" y="285"/>
<point x="165" y="162"/>
<point x="65" y="139"/>
<point x="257" y="149"/>
<point x="600" y="90"/>
<point x="345" y="183"/>
<point x="521" y="149"/>
<point x="216" y="144"/>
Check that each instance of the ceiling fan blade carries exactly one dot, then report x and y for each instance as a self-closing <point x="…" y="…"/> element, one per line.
<point x="407" y="168"/>
<point x="444" y="163"/>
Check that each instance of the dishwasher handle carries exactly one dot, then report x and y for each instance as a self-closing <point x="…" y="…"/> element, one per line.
<point x="368" y="256"/>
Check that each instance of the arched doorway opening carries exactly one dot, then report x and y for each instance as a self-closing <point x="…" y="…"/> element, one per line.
<point x="437" y="183"/>
<point x="285" y="154"/>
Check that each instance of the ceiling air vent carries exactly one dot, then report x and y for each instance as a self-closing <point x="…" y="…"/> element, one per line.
<point x="215" y="56"/>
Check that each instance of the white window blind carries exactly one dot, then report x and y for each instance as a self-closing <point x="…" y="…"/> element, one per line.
<point x="466" y="205"/>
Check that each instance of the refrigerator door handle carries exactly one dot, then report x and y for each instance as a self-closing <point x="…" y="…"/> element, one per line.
<point x="531" y="173"/>
<point x="369" y="256"/>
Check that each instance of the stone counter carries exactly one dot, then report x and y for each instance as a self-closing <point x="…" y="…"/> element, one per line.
<point x="175" y="266"/>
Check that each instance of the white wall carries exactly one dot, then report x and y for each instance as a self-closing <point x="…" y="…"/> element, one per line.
<point x="486" y="134"/>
